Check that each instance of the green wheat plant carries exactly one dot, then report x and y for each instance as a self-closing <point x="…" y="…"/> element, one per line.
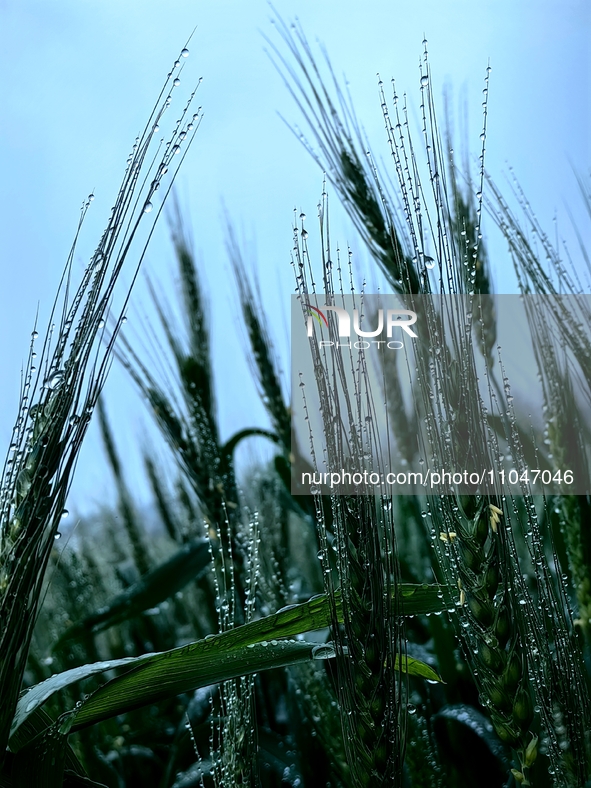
<point x="62" y="383"/>
<point x="475" y="539"/>
<point x="244" y="631"/>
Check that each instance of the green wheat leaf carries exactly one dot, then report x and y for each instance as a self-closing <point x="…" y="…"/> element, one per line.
<point x="414" y="667"/>
<point x="159" y="584"/>
<point x="233" y="653"/>
<point x="180" y="670"/>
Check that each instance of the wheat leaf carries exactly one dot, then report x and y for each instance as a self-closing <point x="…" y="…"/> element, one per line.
<point x="181" y="670"/>
<point x="159" y="584"/>
<point x="236" y="652"/>
<point x="33" y="698"/>
<point x="414" y="667"/>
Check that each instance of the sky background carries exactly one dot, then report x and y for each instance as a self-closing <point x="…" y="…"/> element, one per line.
<point x="78" y="81"/>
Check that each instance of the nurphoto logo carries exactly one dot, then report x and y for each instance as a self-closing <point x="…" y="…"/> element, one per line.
<point x="394" y="318"/>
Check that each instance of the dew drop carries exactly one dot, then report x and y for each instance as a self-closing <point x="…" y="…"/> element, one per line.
<point x="148" y="207"/>
<point x="324" y="651"/>
<point x="54" y="380"/>
<point x="185" y="52"/>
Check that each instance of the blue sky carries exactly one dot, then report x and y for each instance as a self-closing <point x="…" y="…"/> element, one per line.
<point x="79" y="80"/>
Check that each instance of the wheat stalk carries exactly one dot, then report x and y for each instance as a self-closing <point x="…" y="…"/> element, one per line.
<point x="61" y="387"/>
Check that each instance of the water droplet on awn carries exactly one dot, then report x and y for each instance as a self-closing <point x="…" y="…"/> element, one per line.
<point x="54" y="380"/>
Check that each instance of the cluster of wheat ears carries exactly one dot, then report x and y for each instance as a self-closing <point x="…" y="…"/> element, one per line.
<point x="263" y="637"/>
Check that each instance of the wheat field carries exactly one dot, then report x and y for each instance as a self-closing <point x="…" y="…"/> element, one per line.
<point x="246" y="629"/>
